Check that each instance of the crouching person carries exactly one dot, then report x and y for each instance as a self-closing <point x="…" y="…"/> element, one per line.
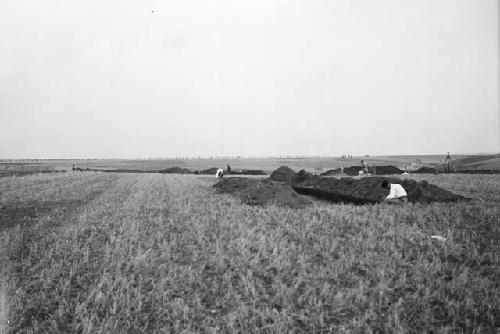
<point x="220" y="173"/>
<point x="397" y="194"/>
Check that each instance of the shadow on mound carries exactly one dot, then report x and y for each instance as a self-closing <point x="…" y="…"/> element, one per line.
<point x="261" y="192"/>
<point x="369" y="190"/>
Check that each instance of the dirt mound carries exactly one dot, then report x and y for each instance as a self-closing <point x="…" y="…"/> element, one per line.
<point x="425" y="170"/>
<point x="353" y="170"/>
<point x="282" y="174"/>
<point x="247" y="172"/>
<point x="385" y="170"/>
<point x="261" y="192"/>
<point x="369" y="190"/>
<point x="332" y="172"/>
<point x="210" y="171"/>
<point x="176" y="170"/>
<point x="301" y="176"/>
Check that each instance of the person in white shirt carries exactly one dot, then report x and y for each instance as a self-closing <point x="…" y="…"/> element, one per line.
<point x="397" y="193"/>
<point x="219" y="173"/>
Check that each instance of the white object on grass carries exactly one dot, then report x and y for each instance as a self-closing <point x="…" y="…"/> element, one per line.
<point x="220" y="173"/>
<point x="438" y="238"/>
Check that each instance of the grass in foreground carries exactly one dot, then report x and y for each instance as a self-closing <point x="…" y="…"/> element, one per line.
<point x="163" y="253"/>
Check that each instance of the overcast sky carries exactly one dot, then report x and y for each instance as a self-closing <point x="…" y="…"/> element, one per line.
<point x="119" y="78"/>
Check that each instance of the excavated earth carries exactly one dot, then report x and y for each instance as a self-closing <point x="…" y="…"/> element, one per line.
<point x="354" y="170"/>
<point x="282" y="174"/>
<point x="210" y="171"/>
<point x="213" y="170"/>
<point x="176" y="170"/>
<point x="369" y="190"/>
<point x="284" y="186"/>
<point x="246" y="172"/>
<point x="262" y="192"/>
<point x="425" y="170"/>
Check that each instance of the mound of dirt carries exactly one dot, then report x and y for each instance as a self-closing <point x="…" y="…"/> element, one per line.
<point x="282" y="174"/>
<point x="332" y="172"/>
<point x="246" y="172"/>
<point x="385" y="170"/>
<point x="261" y="192"/>
<point x="353" y="170"/>
<point x="210" y="171"/>
<point x="369" y="190"/>
<point x="425" y="170"/>
<point x="301" y="176"/>
<point x="176" y="170"/>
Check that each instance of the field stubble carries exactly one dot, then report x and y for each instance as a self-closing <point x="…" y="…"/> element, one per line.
<point x="151" y="253"/>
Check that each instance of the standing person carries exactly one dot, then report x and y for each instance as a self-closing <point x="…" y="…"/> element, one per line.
<point x="220" y="173"/>
<point x="397" y="194"/>
<point x="228" y="169"/>
<point x="364" y="168"/>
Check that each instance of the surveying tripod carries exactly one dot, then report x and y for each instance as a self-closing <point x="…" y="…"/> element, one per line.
<point x="449" y="165"/>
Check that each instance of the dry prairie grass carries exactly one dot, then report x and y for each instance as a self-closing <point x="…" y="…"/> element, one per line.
<point x="162" y="253"/>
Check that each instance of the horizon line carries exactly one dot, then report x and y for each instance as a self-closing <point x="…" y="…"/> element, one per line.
<point x="297" y="156"/>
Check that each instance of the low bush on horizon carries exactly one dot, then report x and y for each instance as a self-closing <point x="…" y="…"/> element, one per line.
<point x="148" y="253"/>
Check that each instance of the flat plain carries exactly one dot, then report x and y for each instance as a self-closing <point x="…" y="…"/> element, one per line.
<point x="98" y="252"/>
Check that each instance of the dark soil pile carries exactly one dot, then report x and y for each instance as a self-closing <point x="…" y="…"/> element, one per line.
<point x="353" y="170"/>
<point x="210" y="171"/>
<point x="261" y="192"/>
<point x="385" y="170"/>
<point x="369" y="190"/>
<point x="301" y="176"/>
<point x="246" y="172"/>
<point x="425" y="170"/>
<point x="332" y="172"/>
<point x="176" y="170"/>
<point x="283" y="174"/>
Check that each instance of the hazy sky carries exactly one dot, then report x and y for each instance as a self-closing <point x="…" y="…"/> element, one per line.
<point x="119" y="78"/>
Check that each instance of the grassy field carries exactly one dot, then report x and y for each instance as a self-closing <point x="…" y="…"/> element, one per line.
<point x="146" y="253"/>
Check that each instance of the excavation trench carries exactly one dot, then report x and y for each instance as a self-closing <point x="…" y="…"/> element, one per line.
<point x="284" y="187"/>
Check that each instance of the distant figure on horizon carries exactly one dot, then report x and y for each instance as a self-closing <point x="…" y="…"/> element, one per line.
<point x="228" y="169"/>
<point x="397" y="194"/>
<point x="220" y="173"/>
